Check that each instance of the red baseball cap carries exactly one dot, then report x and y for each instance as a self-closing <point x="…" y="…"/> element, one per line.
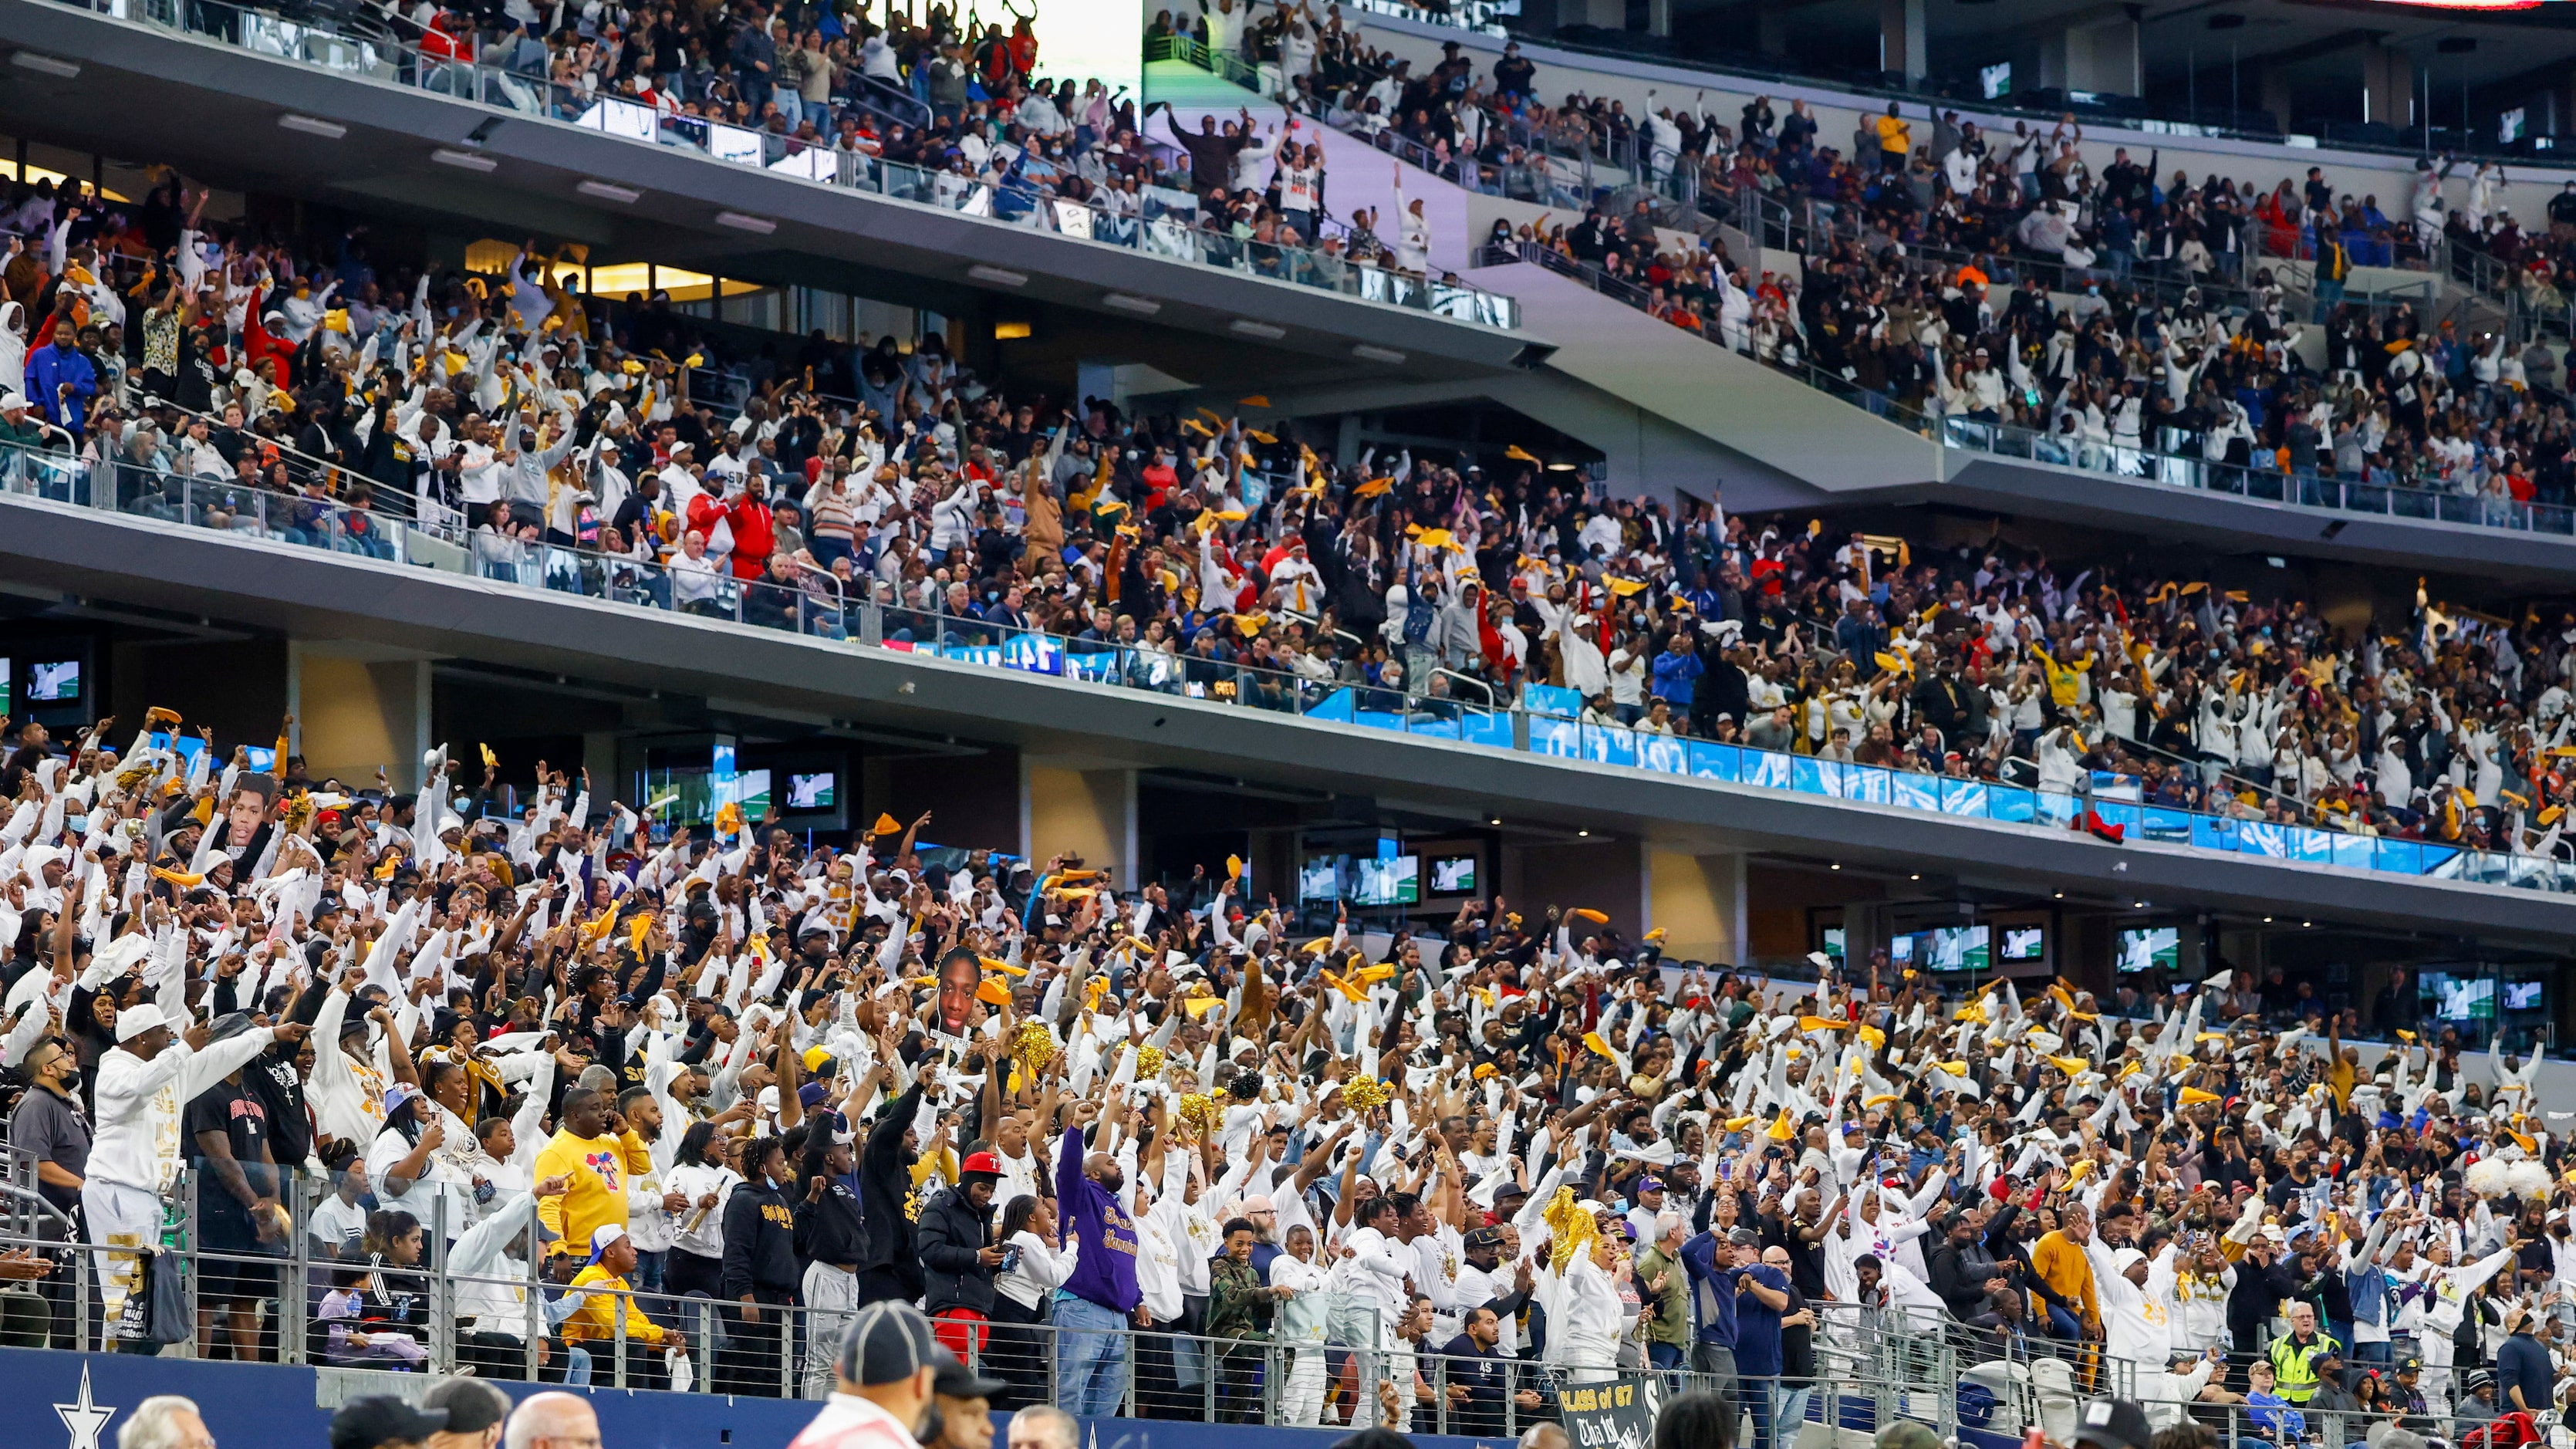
<point x="981" y="1162"/>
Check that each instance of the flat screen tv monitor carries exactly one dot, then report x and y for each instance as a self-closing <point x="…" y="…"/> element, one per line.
<point x="1393" y="880"/>
<point x="812" y="791"/>
<point x="2459" y="998"/>
<point x="2150" y="948"/>
<point x="1321" y="878"/>
<point x="1453" y="875"/>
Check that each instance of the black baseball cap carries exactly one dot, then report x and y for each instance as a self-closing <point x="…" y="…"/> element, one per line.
<point x="472" y="1405"/>
<point x="887" y="1341"/>
<point x="2114" y="1424"/>
<point x="376" y="1419"/>
<point x="956" y="1381"/>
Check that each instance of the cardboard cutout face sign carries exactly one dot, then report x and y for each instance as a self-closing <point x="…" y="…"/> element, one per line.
<point x="247" y="810"/>
<point x="957" y="981"/>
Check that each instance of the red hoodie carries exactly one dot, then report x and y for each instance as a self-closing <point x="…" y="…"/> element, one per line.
<point x="753" y="537"/>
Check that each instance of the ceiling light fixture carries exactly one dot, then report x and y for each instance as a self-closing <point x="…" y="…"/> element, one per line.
<point x="1246" y="327"/>
<point x="610" y="191"/>
<point x="45" y="65"/>
<point x="756" y="225"/>
<point x="312" y="126"/>
<point x="1123" y="302"/>
<point x="998" y="276"/>
<point x="1369" y="353"/>
<point x="464" y="160"/>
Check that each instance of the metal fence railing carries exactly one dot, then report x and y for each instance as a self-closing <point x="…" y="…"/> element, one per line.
<point x="1173" y="230"/>
<point x="1537" y="721"/>
<point x="308" y="1277"/>
<point x="2166" y="463"/>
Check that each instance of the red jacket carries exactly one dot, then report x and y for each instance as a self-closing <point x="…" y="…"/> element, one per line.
<point x="753" y="537"/>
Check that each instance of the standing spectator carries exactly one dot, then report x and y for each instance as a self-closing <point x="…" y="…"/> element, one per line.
<point x="1101" y="1299"/>
<point x="959" y="1257"/>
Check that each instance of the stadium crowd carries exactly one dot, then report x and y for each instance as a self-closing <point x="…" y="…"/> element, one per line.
<point x="629" y="1078"/>
<point x="250" y="383"/>
<point x="1957" y="274"/>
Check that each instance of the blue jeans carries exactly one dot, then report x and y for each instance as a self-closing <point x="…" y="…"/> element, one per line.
<point x="1091" y="1357"/>
<point x="647" y="1277"/>
<point x="2380" y="1352"/>
<point x="1665" y="1356"/>
<point x="2062" y="1324"/>
<point x="1756" y="1392"/>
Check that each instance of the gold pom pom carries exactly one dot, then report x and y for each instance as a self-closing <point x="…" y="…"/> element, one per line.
<point x="1365" y="1094"/>
<point x="1149" y="1063"/>
<point x="1199" y="1110"/>
<point x="1032" y="1047"/>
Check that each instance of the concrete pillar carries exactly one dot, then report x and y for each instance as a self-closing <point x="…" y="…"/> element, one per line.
<point x="599" y="750"/>
<point x="356" y="709"/>
<point x="1699" y="901"/>
<point x="1607" y="14"/>
<point x="1603" y="874"/>
<point x="1096" y="377"/>
<point x="2096" y="50"/>
<point x="1900" y="37"/>
<point x="1866" y="928"/>
<point x="2387" y="85"/>
<point x="1066" y="810"/>
<point x="2270" y="91"/>
<point x="1770" y="30"/>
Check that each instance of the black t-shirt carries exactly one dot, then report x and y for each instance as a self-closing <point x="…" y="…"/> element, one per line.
<point x="242" y="1117"/>
<point x="272" y="1077"/>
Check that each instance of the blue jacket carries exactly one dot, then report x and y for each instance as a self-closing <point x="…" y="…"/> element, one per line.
<point x="1676" y="676"/>
<point x="48" y="369"/>
<point x="1712" y="1297"/>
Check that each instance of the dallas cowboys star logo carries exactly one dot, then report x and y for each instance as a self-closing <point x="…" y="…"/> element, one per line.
<point x="84" y="1419"/>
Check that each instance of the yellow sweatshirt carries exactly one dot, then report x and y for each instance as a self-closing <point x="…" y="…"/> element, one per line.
<point x="596" y="1319"/>
<point x="597" y="1168"/>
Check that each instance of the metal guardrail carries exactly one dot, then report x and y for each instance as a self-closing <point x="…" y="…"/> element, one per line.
<point x="1521" y="725"/>
<point x="295" y="1300"/>
<point x="2145" y="465"/>
<point x="1017" y="200"/>
<point x="1870" y="89"/>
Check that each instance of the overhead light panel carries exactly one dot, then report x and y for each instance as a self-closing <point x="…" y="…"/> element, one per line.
<point x="312" y="126"/>
<point x="756" y="225"/>
<point x="45" y="64"/>
<point x="464" y="160"/>
<point x="610" y="191"/>
<point x="1246" y="327"/>
<point x="1368" y="353"/>
<point x="998" y="276"/>
<point x="1122" y="302"/>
